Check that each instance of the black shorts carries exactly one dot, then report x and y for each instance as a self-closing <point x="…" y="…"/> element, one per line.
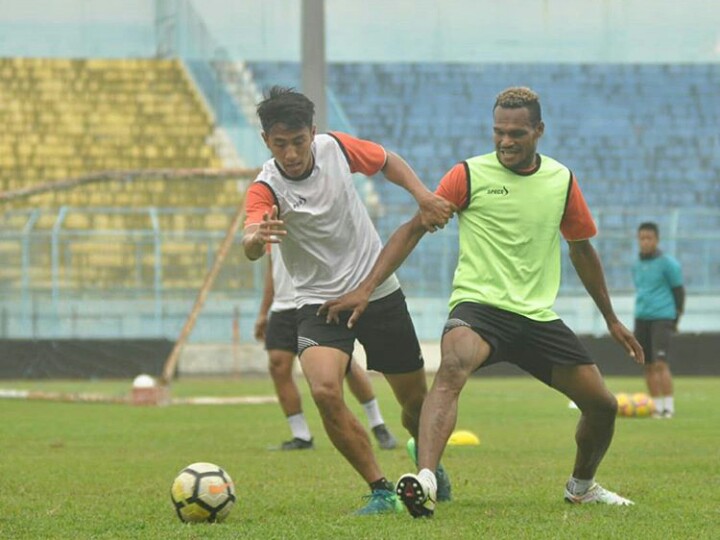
<point x="385" y="331"/>
<point x="534" y="346"/>
<point x="654" y="338"/>
<point x="281" y="332"/>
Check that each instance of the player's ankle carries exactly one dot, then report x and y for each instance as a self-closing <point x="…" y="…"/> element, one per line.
<point x="427" y="477"/>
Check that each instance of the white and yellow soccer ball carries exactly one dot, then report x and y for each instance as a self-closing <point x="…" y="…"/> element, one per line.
<point x="644" y="405"/>
<point x="626" y="406"/>
<point x="203" y="492"/>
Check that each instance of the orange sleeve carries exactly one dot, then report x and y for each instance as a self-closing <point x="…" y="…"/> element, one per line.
<point x="259" y="199"/>
<point x="454" y="186"/>
<point x="577" y="222"/>
<point x="365" y="157"/>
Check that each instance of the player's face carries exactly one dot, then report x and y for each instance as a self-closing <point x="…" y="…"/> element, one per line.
<point x="291" y="148"/>
<point x="516" y="137"/>
<point x="648" y="241"/>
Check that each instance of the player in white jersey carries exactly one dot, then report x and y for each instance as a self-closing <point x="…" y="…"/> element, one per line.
<point x="276" y="325"/>
<point x="305" y="200"/>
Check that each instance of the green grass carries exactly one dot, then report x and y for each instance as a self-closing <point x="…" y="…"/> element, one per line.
<point x="81" y="471"/>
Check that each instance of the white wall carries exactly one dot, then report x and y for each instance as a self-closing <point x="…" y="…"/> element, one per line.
<point x="77" y="28"/>
<point x="385" y="30"/>
<point x="476" y="30"/>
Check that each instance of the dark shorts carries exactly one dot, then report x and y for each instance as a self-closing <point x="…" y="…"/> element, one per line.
<point x="654" y="338"/>
<point x="281" y="332"/>
<point x="533" y="346"/>
<point x="385" y="331"/>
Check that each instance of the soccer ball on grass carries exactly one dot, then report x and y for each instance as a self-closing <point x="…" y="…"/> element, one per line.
<point x="638" y="405"/>
<point x="202" y="492"/>
<point x="626" y="406"/>
<point x="644" y="405"/>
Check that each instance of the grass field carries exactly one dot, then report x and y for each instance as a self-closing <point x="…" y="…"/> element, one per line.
<point x="81" y="471"/>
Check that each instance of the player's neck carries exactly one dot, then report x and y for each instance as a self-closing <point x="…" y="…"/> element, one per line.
<point x="534" y="165"/>
<point x="652" y="255"/>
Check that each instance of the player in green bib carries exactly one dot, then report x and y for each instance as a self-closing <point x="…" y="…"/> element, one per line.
<point x="512" y="205"/>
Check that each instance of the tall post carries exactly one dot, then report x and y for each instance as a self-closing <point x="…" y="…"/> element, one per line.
<point x="313" y="58"/>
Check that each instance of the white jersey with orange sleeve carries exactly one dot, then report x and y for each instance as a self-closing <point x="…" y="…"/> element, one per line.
<point x="331" y="243"/>
<point x="283" y="290"/>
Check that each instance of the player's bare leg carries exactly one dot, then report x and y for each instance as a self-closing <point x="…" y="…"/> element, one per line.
<point x="359" y="383"/>
<point x="410" y="390"/>
<point x="324" y="369"/>
<point x="584" y="385"/>
<point x="653" y="379"/>
<point x="463" y="351"/>
<point x="666" y="383"/>
<point x="281" y="363"/>
<point x="662" y="387"/>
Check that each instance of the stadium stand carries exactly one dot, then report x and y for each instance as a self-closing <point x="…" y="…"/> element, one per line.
<point x="65" y="118"/>
<point x="624" y="128"/>
<point x="637" y="136"/>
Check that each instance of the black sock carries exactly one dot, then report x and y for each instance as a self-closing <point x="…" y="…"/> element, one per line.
<point x="382" y="484"/>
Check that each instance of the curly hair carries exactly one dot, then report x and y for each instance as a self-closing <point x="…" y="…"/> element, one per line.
<point x="517" y="97"/>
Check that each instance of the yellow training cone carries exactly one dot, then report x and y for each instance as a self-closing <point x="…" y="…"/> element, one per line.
<point x="463" y="438"/>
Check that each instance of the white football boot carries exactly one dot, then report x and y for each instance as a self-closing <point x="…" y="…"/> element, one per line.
<point x="418" y="497"/>
<point x="597" y="494"/>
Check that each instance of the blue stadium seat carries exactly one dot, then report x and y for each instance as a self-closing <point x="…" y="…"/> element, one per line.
<point x="625" y="130"/>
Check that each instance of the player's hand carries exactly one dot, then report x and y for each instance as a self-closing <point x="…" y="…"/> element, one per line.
<point x="626" y="338"/>
<point x="270" y="230"/>
<point x="355" y="301"/>
<point x="260" y="327"/>
<point x="435" y="212"/>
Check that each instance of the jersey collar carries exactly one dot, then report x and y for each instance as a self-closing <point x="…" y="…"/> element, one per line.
<point x="654" y="255"/>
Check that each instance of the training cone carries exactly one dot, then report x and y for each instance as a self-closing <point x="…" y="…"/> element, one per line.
<point x="463" y="437"/>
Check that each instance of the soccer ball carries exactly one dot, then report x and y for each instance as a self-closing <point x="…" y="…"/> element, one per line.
<point x="626" y="405"/>
<point x="644" y="405"/>
<point x="202" y="492"/>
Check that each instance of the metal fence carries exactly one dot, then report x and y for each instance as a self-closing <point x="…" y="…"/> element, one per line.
<point x="61" y="279"/>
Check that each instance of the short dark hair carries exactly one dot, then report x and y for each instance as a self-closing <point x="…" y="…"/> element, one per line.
<point x="517" y="97"/>
<point x="649" y="226"/>
<point x="282" y="105"/>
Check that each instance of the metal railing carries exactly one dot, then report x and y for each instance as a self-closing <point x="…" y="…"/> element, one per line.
<point x="60" y="279"/>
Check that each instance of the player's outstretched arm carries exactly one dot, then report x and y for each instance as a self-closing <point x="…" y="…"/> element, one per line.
<point x="435" y="212"/>
<point x="269" y="231"/>
<point x="400" y="245"/>
<point x="588" y="267"/>
<point x="267" y="300"/>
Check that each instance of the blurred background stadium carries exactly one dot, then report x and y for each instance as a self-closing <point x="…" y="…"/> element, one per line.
<point x="631" y="97"/>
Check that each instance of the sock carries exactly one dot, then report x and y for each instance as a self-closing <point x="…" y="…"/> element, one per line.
<point x="659" y="403"/>
<point x="299" y="427"/>
<point x="427" y="477"/>
<point x="372" y="411"/>
<point x="669" y="404"/>
<point x="579" y="487"/>
<point x="382" y="485"/>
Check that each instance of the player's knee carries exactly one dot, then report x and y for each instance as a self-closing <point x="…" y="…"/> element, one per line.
<point x="327" y="397"/>
<point x="451" y="375"/>
<point x="612" y="405"/>
<point x="279" y="367"/>
<point x="605" y="407"/>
